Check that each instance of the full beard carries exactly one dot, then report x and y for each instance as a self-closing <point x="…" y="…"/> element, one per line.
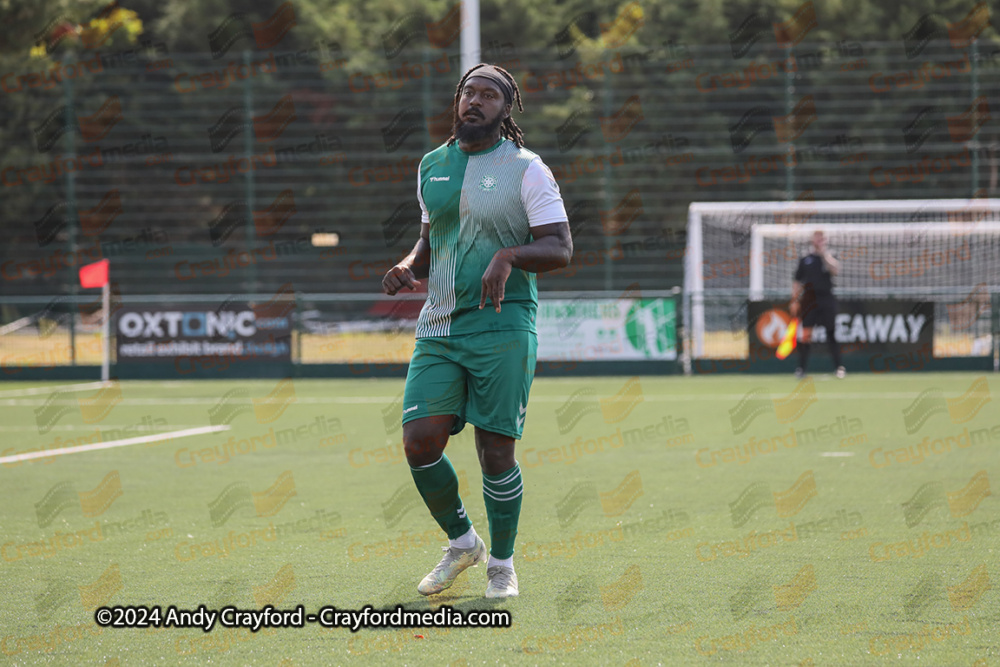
<point x="468" y="133"/>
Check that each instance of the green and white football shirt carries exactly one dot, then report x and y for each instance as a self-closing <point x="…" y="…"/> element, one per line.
<point x="477" y="204"/>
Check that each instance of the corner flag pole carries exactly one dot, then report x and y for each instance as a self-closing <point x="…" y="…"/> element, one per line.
<point x="96" y="275"/>
<point x="106" y="333"/>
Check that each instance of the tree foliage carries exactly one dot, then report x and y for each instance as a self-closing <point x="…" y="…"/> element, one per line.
<point x="526" y="24"/>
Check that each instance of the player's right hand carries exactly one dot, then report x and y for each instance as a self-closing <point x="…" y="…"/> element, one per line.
<point x="793" y="308"/>
<point x="397" y="278"/>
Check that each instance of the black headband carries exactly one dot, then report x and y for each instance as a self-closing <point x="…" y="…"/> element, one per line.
<point x="493" y="74"/>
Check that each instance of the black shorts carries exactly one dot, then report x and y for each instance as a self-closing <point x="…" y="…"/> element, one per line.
<point x="819" y="312"/>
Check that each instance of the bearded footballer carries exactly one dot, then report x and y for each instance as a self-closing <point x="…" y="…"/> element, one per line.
<point x="491" y="218"/>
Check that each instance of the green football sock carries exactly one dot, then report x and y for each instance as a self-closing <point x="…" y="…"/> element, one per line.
<point x="502" y="494"/>
<point x="438" y="486"/>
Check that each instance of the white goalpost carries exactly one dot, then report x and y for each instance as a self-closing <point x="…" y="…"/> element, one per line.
<point x="945" y="251"/>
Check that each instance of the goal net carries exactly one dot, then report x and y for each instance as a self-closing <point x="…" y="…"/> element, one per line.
<point x="942" y="251"/>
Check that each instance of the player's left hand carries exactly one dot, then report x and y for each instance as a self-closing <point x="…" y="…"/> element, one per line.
<point x="494" y="280"/>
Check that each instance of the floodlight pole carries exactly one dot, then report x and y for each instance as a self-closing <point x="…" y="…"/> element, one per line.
<point x="71" y="215"/>
<point x="470" y="34"/>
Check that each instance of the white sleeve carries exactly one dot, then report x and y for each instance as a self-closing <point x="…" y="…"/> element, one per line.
<point x="424" y="216"/>
<point x="540" y="195"/>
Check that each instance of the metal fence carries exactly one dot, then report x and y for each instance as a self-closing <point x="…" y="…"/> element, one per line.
<point x="195" y="174"/>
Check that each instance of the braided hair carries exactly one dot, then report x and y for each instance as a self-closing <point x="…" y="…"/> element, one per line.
<point x="508" y="129"/>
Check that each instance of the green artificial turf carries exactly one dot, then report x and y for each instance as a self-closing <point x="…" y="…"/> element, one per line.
<point x="733" y="520"/>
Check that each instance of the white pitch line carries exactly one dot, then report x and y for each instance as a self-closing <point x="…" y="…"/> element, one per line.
<point x="35" y="391"/>
<point x="171" y="435"/>
<point x="82" y="427"/>
<point x="836" y="453"/>
<point x="384" y="400"/>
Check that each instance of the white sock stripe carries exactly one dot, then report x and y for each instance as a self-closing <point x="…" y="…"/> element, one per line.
<point x="517" y="472"/>
<point x="429" y="465"/>
<point x="505" y="491"/>
<point x="494" y="486"/>
<point x="501" y="500"/>
<point x="503" y="497"/>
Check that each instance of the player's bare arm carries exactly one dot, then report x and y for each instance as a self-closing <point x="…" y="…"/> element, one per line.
<point x="830" y="263"/>
<point x="793" y="306"/>
<point x="413" y="267"/>
<point x="552" y="248"/>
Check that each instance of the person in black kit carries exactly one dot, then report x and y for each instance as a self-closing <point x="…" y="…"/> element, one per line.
<point x="812" y="296"/>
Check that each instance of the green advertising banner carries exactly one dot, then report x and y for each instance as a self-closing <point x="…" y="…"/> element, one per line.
<point x="607" y="329"/>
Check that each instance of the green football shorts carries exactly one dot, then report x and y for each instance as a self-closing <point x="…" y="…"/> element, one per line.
<point x="483" y="378"/>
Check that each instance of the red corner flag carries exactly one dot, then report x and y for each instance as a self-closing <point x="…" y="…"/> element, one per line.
<point x="94" y="275"/>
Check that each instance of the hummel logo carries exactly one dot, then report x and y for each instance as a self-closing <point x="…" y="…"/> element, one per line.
<point x="520" y="420"/>
<point x="435" y="179"/>
<point x="410" y="409"/>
